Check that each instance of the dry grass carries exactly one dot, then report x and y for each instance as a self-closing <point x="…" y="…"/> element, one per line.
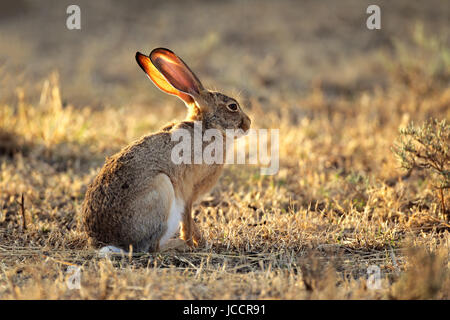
<point x="339" y="204"/>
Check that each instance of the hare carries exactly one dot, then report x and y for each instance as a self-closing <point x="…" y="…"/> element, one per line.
<point x="141" y="197"/>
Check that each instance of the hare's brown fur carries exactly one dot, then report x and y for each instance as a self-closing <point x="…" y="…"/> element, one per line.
<point x="129" y="201"/>
<point x="140" y="195"/>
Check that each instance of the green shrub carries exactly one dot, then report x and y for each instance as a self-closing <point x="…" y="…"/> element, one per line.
<point x="427" y="147"/>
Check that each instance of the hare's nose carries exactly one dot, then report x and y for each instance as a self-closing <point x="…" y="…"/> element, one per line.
<point x="245" y="123"/>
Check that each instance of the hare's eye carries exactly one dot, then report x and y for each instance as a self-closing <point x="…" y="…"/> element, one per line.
<point x="232" y="107"/>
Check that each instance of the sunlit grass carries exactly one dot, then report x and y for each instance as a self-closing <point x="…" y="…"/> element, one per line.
<point x="338" y="204"/>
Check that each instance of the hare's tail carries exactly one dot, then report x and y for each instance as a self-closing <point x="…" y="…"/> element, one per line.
<point x="108" y="251"/>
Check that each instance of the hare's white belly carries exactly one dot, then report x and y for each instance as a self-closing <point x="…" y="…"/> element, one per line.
<point x="173" y="221"/>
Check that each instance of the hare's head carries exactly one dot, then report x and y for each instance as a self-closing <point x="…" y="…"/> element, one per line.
<point x="170" y="74"/>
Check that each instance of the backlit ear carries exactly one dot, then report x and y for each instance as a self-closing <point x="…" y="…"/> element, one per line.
<point x="176" y="71"/>
<point x="159" y="80"/>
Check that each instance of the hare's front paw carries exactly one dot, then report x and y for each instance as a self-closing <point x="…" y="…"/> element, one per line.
<point x="190" y="234"/>
<point x="197" y="237"/>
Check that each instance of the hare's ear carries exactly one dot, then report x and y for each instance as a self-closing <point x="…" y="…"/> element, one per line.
<point x="170" y="74"/>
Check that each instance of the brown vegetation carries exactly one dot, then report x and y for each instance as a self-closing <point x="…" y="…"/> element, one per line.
<point x="339" y="204"/>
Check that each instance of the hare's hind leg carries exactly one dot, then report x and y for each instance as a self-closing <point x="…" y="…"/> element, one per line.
<point x="173" y="220"/>
<point x="107" y="251"/>
<point x="158" y="214"/>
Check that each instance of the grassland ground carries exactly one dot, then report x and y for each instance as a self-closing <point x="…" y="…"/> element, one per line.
<point x="339" y="205"/>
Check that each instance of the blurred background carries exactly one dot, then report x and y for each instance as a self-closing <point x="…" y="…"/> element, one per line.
<point x="337" y="92"/>
<point x="257" y="48"/>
